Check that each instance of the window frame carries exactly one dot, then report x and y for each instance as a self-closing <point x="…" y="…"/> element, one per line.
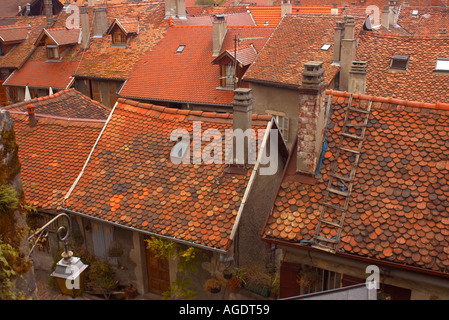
<point x="401" y="58"/>
<point x="117" y="35"/>
<point x="55" y="52"/>
<point x="441" y="60"/>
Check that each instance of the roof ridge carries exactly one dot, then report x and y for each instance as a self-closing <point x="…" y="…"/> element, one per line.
<point x="397" y="101"/>
<point x="425" y="36"/>
<point x="47" y="118"/>
<point x="186" y="112"/>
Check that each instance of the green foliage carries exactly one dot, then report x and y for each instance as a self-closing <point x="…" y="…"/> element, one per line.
<point x="188" y="260"/>
<point x="102" y="275"/>
<point x="9" y="270"/>
<point x="8" y="199"/>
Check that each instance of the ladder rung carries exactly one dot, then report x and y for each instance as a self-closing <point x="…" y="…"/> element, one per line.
<point x="349" y="150"/>
<point x="333" y="206"/>
<point x="342" y="193"/>
<point x="335" y="224"/>
<point x="323" y="239"/>
<point x="351" y="136"/>
<point x="356" y="124"/>
<point x="324" y="248"/>
<point x="341" y="177"/>
<point x="358" y="110"/>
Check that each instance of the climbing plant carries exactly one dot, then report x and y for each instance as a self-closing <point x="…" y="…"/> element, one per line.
<point x="188" y="260"/>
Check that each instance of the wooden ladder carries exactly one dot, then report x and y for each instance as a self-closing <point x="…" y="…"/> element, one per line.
<point x="332" y="215"/>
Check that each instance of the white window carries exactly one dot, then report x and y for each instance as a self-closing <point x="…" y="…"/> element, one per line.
<point x="442" y="65"/>
<point x="180" y="49"/>
<point x="326" y="46"/>
<point x="282" y="122"/>
<point x="227" y="76"/>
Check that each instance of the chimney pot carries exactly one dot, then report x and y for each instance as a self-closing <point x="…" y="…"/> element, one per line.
<point x="100" y="21"/>
<point x="31" y="115"/>
<point x="357" y="77"/>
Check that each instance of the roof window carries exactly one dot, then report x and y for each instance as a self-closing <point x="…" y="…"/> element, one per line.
<point x="399" y="62"/>
<point x="326" y="46"/>
<point x="442" y="65"/>
<point x="180" y="49"/>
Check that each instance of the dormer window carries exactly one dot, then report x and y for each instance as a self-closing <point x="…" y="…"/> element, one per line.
<point x="227" y="76"/>
<point x="399" y="62"/>
<point x="52" y="52"/>
<point x="118" y="38"/>
<point x="121" y="30"/>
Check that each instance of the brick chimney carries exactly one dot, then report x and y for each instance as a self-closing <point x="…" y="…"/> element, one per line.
<point x="100" y="21"/>
<point x="85" y="28"/>
<point x="385" y="17"/>
<point x="311" y="121"/>
<point x="48" y="7"/>
<point x="242" y="116"/>
<point x="31" y="116"/>
<point x="219" y="29"/>
<point x="338" y="34"/>
<point x="347" y="53"/>
<point x="357" y="77"/>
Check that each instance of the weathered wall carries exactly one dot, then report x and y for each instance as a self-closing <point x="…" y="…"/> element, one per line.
<point x="13" y="225"/>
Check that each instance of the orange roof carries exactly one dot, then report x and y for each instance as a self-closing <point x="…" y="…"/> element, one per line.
<point x="51" y="155"/>
<point x="271" y="15"/>
<point x="399" y="207"/>
<point x="187" y="77"/>
<point x="131" y="181"/>
<point x="419" y="82"/>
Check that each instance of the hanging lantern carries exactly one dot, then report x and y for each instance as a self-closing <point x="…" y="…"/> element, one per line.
<point x="69" y="274"/>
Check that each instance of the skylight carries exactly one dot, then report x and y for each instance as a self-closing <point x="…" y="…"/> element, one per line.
<point x="180" y="49"/>
<point x="442" y="65"/>
<point x="399" y="62"/>
<point x="326" y="46"/>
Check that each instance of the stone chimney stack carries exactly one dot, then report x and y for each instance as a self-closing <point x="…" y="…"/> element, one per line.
<point x="311" y="121"/>
<point x="286" y="8"/>
<point x="31" y="116"/>
<point x="100" y="21"/>
<point x="85" y="28"/>
<point x="357" y="77"/>
<point x="48" y="7"/>
<point x="219" y="29"/>
<point x="339" y="28"/>
<point x="175" y="8"/>
<point x="242" y="117"/>
<point x="385" y="17"/>
<point x="393" y="16"/>
<point x="348" y="51"/>
<point x="91" y="3"/>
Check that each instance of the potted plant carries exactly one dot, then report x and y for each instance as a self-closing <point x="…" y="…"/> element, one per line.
<point x="233" y="284"/>
<point x="212" y="285"/>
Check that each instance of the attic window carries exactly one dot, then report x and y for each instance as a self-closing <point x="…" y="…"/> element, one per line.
<point x="326" y="46"/>
<point x="399" y="62"/>
<point x="118" y="38"/>
<point x="52" y="52"/>
<point x="414" y="13"/>
<point x="180" y="49"/>
<point x="442" y="65"/>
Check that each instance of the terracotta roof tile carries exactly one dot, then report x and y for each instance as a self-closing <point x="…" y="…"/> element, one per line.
<point x="419" y="82"/>
<point x="271" y="15"/>
<point x="399" y="208"/>
<point x="188" y="76"/>
<point x="51" y="155"/>
<point x="67" y="103"/>
<point x="314" y="32"/>
<point x="102" y="60"/>
<point x="131" y="181"/>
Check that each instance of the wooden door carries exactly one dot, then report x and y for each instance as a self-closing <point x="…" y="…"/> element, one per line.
<point x="3" y="97"/>
<point x="158" y="273"/>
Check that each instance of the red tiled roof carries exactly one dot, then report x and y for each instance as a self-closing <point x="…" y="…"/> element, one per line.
<point x="430" y="20"/>
<point x="22" y="50"/>
<point x="271" y="15"/>
<point x="61" y="36"/>
<point x="399" y="207"/>
<point x="102" y="60"/>
<point x="232" y="19"/>
<point x="13" y="33"/>
<point x="188" y="76"/>
<point x="131" y="181"/>
<point x="419" y="82"/>
<point x="67" y="103"/>
<point x="283" y="57"/>
<point x="51" y="155"/>
<point x="57" y="75"/>
<point x="127" y="25"/>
